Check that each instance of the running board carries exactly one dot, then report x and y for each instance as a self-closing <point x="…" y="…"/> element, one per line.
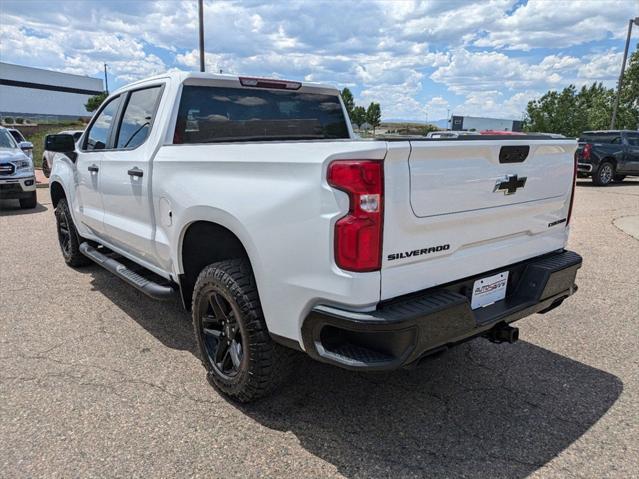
<point x="146" y="286"/>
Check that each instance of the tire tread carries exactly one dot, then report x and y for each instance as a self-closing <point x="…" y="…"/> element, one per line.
<point x="269" y="362"/>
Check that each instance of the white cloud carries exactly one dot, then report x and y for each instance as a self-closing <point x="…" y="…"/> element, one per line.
<point x="469" y="72"/>
<point x="604" y="67"/>
<point x="558" y="24"/>
<point x="415" y="57"/>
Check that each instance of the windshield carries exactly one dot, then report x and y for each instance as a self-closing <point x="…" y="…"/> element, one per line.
<point x="17" y="135"/>
<point x="215" y="114"/>
<point x="6" y="140"/>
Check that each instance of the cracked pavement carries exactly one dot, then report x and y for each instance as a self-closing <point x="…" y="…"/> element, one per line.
<point x="96" y="380"/>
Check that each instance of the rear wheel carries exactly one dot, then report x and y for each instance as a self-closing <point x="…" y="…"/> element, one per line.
<point x="30" y="202"/>
<point x="235" y="347"/>
<point x="604" y="174"/>
<point x="68" y="236"/>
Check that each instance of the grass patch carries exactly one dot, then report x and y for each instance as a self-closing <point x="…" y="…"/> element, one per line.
<point x="36" y="136"/>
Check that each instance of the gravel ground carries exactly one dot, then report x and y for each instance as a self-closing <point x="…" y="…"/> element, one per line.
<point x="96" y="380"/>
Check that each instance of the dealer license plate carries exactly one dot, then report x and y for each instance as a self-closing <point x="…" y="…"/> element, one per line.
<point x="488" y="290"/>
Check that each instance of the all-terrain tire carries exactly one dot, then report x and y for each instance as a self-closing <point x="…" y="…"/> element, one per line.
<point x="30" y="202"/>
<point x="68" y="236"/>
<point x="604" y="175"/>
<point x="264" y="364"/>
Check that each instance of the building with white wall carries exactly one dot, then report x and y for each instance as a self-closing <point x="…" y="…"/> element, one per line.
<point x="475" y="123"/>
<point x="38" y="94"/>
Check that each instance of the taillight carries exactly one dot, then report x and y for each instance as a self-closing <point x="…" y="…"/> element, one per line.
<point x="574" y="182"/>
<point x="358" y="235"/>
<point x="585" y="153"/>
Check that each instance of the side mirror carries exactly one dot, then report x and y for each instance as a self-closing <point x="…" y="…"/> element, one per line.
<point x="61" y="143"/>
<point x="27" y="148"/>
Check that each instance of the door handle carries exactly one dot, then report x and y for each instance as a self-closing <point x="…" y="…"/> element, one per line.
<point x="136" y="172"/>
<point x="93" y="168"/>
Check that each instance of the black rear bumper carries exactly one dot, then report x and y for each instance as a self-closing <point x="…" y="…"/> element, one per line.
<point x="403" y="330"/>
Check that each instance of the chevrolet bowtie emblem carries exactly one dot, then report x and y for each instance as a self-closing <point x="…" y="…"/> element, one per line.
<point x="509" y="184"/>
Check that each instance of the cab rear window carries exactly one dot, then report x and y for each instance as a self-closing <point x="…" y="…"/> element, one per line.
<point x="215" y="114"/>
<point x="614" y="138"/>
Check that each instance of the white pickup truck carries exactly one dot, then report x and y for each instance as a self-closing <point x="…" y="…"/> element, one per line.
<point x="253" y="200"/>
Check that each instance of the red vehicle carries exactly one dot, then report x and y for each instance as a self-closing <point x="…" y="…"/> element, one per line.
<point x="501" y="132"/>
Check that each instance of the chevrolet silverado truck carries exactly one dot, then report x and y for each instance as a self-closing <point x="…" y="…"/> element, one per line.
<point x="253" y="200"/>
<point x="608" y="156"/>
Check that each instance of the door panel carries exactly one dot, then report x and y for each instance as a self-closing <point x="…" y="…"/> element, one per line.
<point x="632" y="154"/>
<point x="126" y="176"/>
<point x="89" y="207"/>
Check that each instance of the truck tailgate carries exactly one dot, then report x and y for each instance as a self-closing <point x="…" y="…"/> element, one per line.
<point x="458" y="208"/>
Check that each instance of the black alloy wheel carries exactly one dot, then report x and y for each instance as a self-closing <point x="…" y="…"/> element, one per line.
<point x="221" y="334"/>
<point x="64" y="234"/>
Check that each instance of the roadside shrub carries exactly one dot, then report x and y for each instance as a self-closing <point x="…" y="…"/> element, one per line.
<point x="8" y="120"/>
<point x="19" y="121"/>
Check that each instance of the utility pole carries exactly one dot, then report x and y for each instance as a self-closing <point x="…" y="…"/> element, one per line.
<point x="201" y="15"/>
<point x="106" y="80"/>
<point x="613" y="121"/>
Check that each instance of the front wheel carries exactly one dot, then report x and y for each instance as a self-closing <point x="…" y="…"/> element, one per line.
<point x="30" y="202"/>
<point x="235" y="347"/>
<point x="604" y="174"/>
<point x="68" y="236"/>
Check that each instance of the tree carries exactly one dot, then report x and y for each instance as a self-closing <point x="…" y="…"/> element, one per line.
<point x="358" y="117"/>
<point x="628" y="115"/>
<point x="426" y="129"/>
<point x="570" y="112"/>
<point x="349" y="103"/>
<point x="374" y="115"/>
<point x="94" y="102"/>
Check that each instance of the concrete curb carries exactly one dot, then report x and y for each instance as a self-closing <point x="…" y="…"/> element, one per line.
<point x="629" y="225"/>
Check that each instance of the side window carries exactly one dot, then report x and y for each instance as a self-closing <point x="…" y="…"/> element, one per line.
<point x="137" y="118"/>
<point x="633" y="140"/>
<point x="616" y="140"/>
<point x="98" y="136"/>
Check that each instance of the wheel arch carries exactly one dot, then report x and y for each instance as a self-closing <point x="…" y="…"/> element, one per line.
<point x="204" y="242"/>
<point x="57" y="192"/>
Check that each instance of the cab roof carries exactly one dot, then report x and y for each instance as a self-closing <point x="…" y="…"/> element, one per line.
<point x="179" y="76"/>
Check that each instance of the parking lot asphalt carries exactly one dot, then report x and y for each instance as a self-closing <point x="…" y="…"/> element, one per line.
<point x="96" y="380"/>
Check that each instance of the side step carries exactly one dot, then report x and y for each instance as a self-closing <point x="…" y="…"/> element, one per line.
<point x="148" y="287"/>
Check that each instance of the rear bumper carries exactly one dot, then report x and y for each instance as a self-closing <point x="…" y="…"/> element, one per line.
<point x="403" y="330"/>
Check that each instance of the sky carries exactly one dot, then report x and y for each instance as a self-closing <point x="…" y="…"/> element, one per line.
<point x="420" y="60"/>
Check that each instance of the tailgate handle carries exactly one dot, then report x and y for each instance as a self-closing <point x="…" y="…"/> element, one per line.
<point x="513" y="153"/>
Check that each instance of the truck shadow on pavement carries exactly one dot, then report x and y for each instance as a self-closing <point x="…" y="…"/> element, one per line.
<point x="12" y="208"/>
<point x="480" y="410"/>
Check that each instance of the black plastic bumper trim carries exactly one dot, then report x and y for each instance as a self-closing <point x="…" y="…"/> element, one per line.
<point x="404" y="329"/>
